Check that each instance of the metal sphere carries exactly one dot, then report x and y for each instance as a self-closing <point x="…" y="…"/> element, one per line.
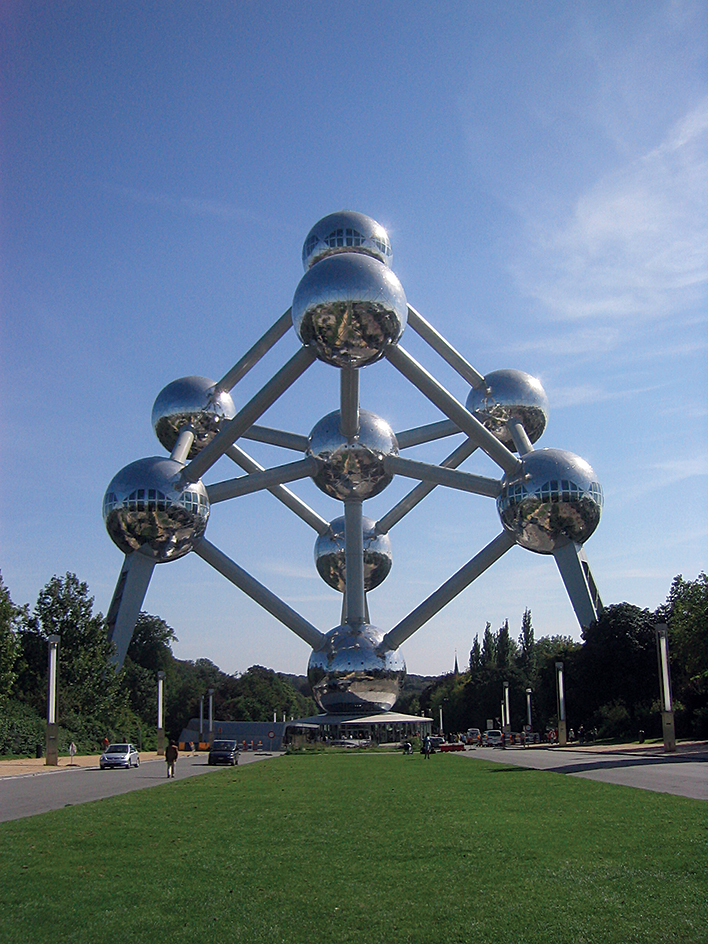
<point x="147" y="508"/>
<point x="348" y="309"/>
<point x="352" y="469"/>
<point x="346" y="231"/>
<point x="195" y="401"/>
<point x="330" y="557"/>
<point x="351" y="673"/>
<point x="555" y="498"/>
<point x="510" y="394"/>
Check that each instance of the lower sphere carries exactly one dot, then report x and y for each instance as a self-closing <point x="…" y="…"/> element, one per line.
<point x="330" y="557"/>
<point x="555" y="498"/>
<point x="147" y="508"/>
<point x="352" y="674"/>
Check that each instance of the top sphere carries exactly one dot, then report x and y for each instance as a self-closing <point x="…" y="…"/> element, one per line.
<point x="191" y="401"/>
<point x="346" y="231"/>
<point x="510" y="394"/>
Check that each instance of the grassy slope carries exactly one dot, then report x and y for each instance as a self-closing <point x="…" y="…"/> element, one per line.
<point x="362" y="848"/>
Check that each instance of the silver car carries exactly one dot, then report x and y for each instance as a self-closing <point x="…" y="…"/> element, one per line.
<point x="119" y="755"/>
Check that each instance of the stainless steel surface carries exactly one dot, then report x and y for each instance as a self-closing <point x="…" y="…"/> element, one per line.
<point x="195" y="402"/>
<point x="575" y="574"/>
<point x="149" y="508"/>
<point x="351" y="672"/>
<point x="444" y="349"/>
<point x="449" y="590"/>
<point x="349" y="308"/>
<point x="553" y="499"/>
<point x="262" y="595"/>
<point x="349" y="402"/>
<point x="127" y="602"/>
<point x="510" y="393"/>
<point x="425" y="434"/>
<point x="259" y="349"/>
<point x="352" y="469"/>
<point x="258" y="481"/>
<point x="440" y="475"/>
<point x="346" y="231"/>
<point x="276" y="437"/>
<point x="330" y="556"/>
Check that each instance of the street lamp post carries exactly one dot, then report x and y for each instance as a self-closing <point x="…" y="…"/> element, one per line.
<point x="201" y="720"/>
<point x="529" y="693"/>
<point x="160" y="714"/>
<point x="667" y="703"/>
<point x="560" y="692"/>
<point x="507" y="714"/>
<point x="211" y="715"/>
<point x="52" y="741"/>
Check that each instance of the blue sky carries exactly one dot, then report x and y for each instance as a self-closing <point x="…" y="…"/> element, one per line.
<point x="542" y="170"/>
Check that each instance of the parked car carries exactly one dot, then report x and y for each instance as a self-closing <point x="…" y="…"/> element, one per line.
<point x="474" y="736"/>
<point x="493" y="738"/>
<point x="119" y="755"/>
<point x="224" y="752"/>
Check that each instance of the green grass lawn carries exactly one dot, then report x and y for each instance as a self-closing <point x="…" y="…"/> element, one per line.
<point x="365" y="848"/>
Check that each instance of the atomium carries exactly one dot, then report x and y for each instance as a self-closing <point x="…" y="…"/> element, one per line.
<point x="350" y="313"/>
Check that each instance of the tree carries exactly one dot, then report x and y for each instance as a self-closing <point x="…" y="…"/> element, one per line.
<point x="687" y="615"/>
<point x="527" y="644"/>
<point x="9" y="645"/>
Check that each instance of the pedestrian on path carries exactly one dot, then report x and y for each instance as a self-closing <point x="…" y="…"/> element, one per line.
<point x="171" y="755"/>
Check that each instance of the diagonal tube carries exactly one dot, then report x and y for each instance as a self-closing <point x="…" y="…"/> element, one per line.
<point x="448" y="591"/>
<point x="257" y="481"/>
<point x="438" y="475"/>
<point x="276" y="437"/>
<point x="283" y="494"/>
<point x="438" y="395"/>
<point x="276" y="386"/>
<point x="448" y="353"/>
<point x="259" y="349"/>
<point x="425" y="434"/>
<point x="256" y="591"/>
<point x="416" y="495"/>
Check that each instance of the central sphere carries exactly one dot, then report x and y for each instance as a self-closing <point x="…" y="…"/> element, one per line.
<point x="348" y="308"/>
<point x="330" y="556"/>
<point x="192" y="401"/>
<point x="555" y="498"/>
<point x="510" y="394"/>
<point x="352" y="674"/>
<point x="147" y="508"/>
<point x="352" y="469"/>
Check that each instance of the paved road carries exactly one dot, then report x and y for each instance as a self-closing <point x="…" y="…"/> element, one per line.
<point x="26" y="795"/>
<point x="683" y="774"/>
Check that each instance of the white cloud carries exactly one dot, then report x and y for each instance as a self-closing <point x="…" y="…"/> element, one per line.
<point x="635" y="245"/>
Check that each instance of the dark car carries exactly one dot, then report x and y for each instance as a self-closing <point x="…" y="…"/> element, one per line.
<point x="224" y="752"/>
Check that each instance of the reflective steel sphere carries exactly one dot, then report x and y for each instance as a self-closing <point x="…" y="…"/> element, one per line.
<point x="352" y="469"/>
<point x="191" y="400"/>
<point x="329" y="555"/>
<point x="510" y="393"/>
<point x="554" y="499"/>
<point x="348" y="308"/>
<point x="346" y="231"/>
<point x="351" y="674"/>
<point x="147" y="508"/>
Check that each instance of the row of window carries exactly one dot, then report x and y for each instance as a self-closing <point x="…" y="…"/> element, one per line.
<point x="143" y="499"/>
<point x="555" y="490"/>
<point x="341" y="238"/>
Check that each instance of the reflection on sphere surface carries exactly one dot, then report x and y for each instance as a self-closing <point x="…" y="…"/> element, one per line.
<point x="555" y="498"/>
<point x="330" y="556"/>
<point x="147" y="508"/>
<point x="350" y="673"/>
<point x="510" y="393"/>
<point x="352" y="469"/>
<point x="191" y="401"/>
<point x="346" y="231"/>
<point x="348" y="308"/>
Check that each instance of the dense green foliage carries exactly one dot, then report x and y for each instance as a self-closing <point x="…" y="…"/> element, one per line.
<point x="362" y="849"/>
<point x="611" y="676"/>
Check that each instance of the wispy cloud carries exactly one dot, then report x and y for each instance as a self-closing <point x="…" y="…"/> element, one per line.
<point x="635" y="245"/>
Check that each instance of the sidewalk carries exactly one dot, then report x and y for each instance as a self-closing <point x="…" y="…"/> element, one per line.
<point x="34" y="766"/>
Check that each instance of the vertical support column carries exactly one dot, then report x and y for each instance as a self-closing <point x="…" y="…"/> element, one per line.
<point x="667" y="703"/>
<point x="560" y="692"/>
<point x="160" y="714"/>
<point x="52" y="740"/>
<point x="354" y="563"/>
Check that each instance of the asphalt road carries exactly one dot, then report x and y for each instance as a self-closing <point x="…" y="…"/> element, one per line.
<point x="683" y="774"/>
<point x="30" y="794"/>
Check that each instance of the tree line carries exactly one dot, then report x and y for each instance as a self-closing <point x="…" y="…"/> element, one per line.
<point x="611" y="676"/>
<point x="96" y="701"/>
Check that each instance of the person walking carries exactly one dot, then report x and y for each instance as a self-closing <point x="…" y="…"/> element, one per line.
<point x="171" y="755"/>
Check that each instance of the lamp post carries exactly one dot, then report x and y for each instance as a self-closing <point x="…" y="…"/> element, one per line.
<point x="667" y="703"/>
<point x="160" y="714"/>
<point x="52" y="740"/>
<point x="529" y="693"/>
<point x="211" y="715"/>
<point x="507" y="714"/>
<point x="201" y="720"/>
<point x="560" y="693"/>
